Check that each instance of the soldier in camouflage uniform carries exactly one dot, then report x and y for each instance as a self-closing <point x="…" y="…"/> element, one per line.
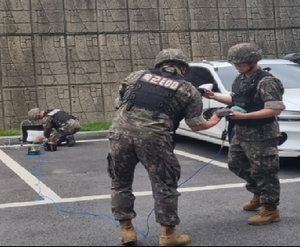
<point x="65" y="125"/>
<point x="150" y="103"/>
<point x="253" y="153"/>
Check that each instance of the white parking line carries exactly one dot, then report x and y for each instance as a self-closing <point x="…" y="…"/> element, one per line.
<point x="51" y="197"/>
<point x="201" y="158"/>
<point x="140" y="193"/>
<point x="102" y="197"/>
<point x="27" y="177"/>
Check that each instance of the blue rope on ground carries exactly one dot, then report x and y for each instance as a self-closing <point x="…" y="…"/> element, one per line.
<point x="185" y="181"/>
<point x="80" y="210"/>
<point x="75" y="210"/>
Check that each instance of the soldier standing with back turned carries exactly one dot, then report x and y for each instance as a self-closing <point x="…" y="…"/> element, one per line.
<point x="150" y="104"/>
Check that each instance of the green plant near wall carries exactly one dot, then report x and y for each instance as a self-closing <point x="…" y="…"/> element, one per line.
<point x="10" y="132"/>
<point x="96" y="126"/>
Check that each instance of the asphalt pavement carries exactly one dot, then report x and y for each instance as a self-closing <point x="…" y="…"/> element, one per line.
<point x="63" y="198"/>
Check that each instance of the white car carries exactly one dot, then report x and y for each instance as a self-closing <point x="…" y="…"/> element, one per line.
<point x="219" y="75"/>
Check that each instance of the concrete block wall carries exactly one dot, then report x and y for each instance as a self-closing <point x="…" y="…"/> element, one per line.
<point x="71" y="54"/>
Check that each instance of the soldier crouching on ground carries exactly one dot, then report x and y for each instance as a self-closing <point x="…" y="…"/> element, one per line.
<point x="150" y="104"/>
<point x="64" y="123"/>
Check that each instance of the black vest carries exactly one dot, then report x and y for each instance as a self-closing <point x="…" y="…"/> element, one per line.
<point x="58" y="117"/>
<point x="244" y="97"/>
<point x="154" y="91"/>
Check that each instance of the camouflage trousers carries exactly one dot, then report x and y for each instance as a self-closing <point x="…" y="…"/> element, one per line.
<point x="163" y="169"/>
<point x="70" y="127"/>
<point x="257" y="162"/>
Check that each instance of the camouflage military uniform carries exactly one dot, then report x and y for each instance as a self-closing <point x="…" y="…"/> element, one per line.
<point x="135" y="136"/>
<point x="65" y="126"/>
<point x="253" y="153"/>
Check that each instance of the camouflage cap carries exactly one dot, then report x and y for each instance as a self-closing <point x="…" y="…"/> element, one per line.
<point x="170" y="55"/>
<point x="33" y="114"/>
<point x="244" y="53"/>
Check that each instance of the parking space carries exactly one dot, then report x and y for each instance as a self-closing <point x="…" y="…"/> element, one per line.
<point x="62" y="198"/>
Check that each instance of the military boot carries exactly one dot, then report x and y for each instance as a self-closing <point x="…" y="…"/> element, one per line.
<point x="70" y="139"/>
<point x="50" y="146"/>
<point x="61" y="141"/>
<point x="253" y="204"/>
<point x="128" y="233"/>
<point x="169" y="237"/>
<point x="266" y="215"/>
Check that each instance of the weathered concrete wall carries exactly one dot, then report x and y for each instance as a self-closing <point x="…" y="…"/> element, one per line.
<point x="71" y="54"/>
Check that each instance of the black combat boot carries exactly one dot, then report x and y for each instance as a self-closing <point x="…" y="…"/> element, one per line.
<point x="50" y="146"/>
<point x="60" y="141"/>
<point x="70" y="140"/>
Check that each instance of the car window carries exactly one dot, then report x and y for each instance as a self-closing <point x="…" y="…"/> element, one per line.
<point x="227" y="76"/>
<point x="289" y="74"/>
<point x="198" y="76"/>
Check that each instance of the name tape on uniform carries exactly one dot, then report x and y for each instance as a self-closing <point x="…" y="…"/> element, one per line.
<point x="161" y="81"/>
